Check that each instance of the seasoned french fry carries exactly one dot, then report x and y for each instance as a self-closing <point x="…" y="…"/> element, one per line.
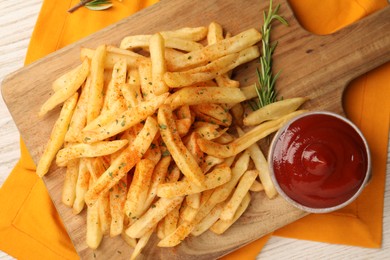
<point x="222" y="192"/>
<point x="214" y="113"/>
<point x="57" y="136"/>
<point x="146" y="80"/>
<point x="200" y="74"/>
<point x="104" y="213"/>
<point x="125" y="161"/>
<point x="117" y="204"/>
<point x="210" y="162"/>
<point x="138" y="190"/>
<point x="94" y="233"/>
<point x="68" y="90"/>
<point x="208" y="221"/>
<point x="212" y="52"/>
<point x="71" y="152"/>
<point x="274" y="110"/>
<point x="104" y="118"/>
<point x="69" y="188"/>
<point x="79" y="117"/>
<point x="214" y="179"/>
<point x="171" y="220"/>
<point x="151" y="217"/>
<point x="114" y="55"/>
<point x="124" y="121"/>
<point x="256" y="186"/>
<point x="221" y="226"/>
<point x="261" y="165"/>
<point x="82" y="185"/>
<point x="201" y="95"/>
<point x="131" y="94"/>
<point x="95" y="98"/>
<point x="159" y="175"/>
<point x="180" y="154"/>
<point x="143" y="41"/>
<point x="156" y="49"/>
<point x="193" y="200"/>
<point x="141" y="244"/>
<point x="187" y="33"/>
<point x="113" y="93"/>
<point x="243" y="142"/>
<point x="242" y="189"/>
<point x="132" y="242"/>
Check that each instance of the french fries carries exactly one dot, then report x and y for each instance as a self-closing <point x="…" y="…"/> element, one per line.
<point x="154" y="142"/>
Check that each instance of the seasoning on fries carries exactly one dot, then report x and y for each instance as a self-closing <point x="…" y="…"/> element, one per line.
<point x="154" y="142"/>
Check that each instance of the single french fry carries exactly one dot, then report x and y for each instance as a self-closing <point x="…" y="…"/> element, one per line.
<point x="94" y="233"/>
<point x="68" y="90"/>
<point x="222" y="192"/>
<point x="209" y="162"/>
<point x="214" y="179"/>
<point x="159" y="175"/>
<point x="224" y="138"/>
<point x="146" y="80"/>
<point x="215" y="33"/>
<point x="124" y="121"/>
<point x="201" y="95"/>
<point x="249" y="138"/>
<point x="114" y="55"/>
<point x="274" y="110"/>
<point x="206" y="72"/>
<point x="131" y="94"/>
<point x="151" y="217"/>
<point x="261" y="165"/>
<point x="113" y="93"/>
<point x="69" y="187"/>
<point x="187" y="33"/>
<point x="104" y="118"/>
<point x="242" y="189"/>
<point x="214" y="113"/>
<point x="79" y="117"/>
<point x="117" y="204"/>
<point x="141" y="244"/>
<point x="256" y="186"/>
<point x="82" y="185"/>
<point x="208" y="221"/>
<point x="186" y="227"/>
<point x="143" y="41"/>
<point x="180" y="154"/>
<point x="132" y="242"/>
<point x="138" y="190"/>
<point x="57" y="136"/>
<point x="95" y="98"/>
<point x="221" y="226"/>
<point x="156" y="49"/>
<point x="104" y="213"/>
<point x="74" y="151"/>
<point x="211" y="52"/>
<point x="154" y="151"/>
<point x="171" y="220"/>
<point x="125" y="161"/>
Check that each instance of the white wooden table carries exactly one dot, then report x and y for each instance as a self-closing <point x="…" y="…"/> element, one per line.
<point x="17" y="19"/>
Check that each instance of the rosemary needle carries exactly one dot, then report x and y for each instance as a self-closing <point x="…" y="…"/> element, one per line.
<point x="265" y="86"/>
<point x="95" y="5"/>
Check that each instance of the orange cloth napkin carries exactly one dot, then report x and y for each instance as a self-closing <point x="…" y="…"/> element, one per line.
<point x="30" y="227"/>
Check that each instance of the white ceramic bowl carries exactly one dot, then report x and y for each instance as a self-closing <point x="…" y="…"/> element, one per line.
<point x="291" y="193"/>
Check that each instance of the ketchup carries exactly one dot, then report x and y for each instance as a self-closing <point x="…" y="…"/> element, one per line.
<point x="319" y="161"/>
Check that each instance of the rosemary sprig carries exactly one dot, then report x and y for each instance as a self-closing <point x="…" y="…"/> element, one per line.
<point x="95" y="5"/>
<point x="265" y="87"/>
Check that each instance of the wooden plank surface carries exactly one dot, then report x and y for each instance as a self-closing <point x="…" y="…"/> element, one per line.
<point x="55" y="187"/>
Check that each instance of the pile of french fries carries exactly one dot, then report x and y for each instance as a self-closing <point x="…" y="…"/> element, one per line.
<point x="153" y="138"/>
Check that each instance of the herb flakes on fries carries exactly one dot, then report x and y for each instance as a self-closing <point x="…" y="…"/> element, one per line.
<point x="153" y="144"/>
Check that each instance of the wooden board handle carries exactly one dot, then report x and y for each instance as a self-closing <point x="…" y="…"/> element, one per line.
<point x="321" y="66"/>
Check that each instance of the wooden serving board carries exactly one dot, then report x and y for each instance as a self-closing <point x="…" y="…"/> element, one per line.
<point x="319" y="67"/>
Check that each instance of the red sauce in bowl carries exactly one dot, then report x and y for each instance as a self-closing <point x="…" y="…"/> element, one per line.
<point x="319" y="160"/>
